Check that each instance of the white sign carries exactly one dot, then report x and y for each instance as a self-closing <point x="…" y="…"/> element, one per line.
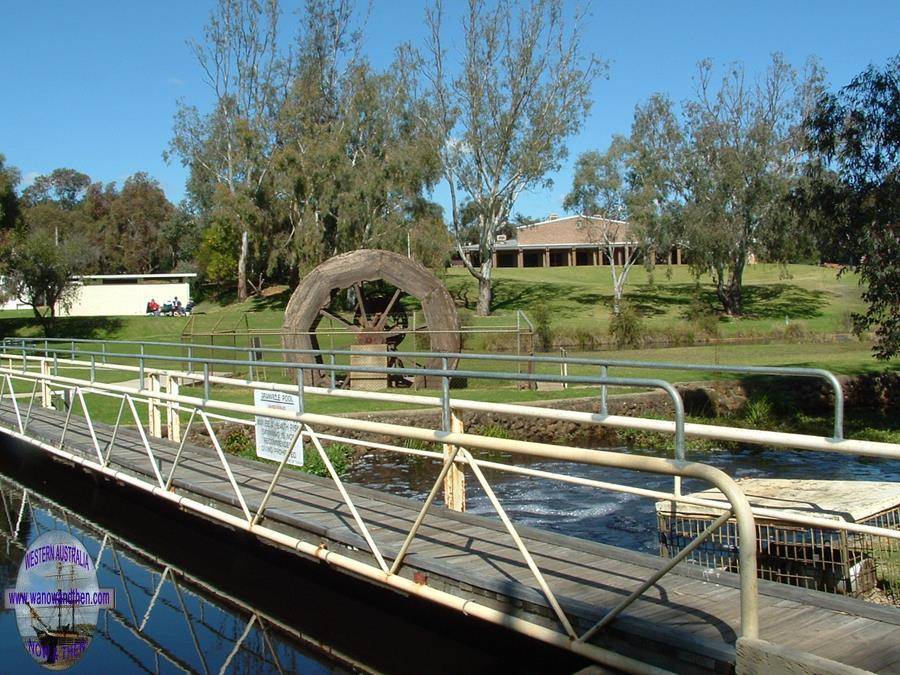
<point x="273" y="436"/>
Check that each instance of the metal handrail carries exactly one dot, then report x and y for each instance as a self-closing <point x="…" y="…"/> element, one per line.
<point x="778" y="371"/>
<point x="724" y="433"/>
<point x="445" y="374"/>
<point x="676" y="468"/>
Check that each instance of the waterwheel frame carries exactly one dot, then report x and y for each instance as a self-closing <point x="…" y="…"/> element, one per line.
<point x="314" y="294"/>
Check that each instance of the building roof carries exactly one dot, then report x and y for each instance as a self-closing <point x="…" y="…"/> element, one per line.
<point x="566" y="232"/>
<point x="136" y="277"/>
<point x="574" y="230"/>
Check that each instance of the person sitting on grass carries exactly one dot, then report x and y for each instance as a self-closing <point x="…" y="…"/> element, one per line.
<point x="153" y="307"/>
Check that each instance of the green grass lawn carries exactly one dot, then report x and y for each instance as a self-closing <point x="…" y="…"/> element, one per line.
<point x="578" y="298"/>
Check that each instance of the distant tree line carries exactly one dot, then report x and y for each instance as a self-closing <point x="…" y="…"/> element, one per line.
<point x="774" y="168"/>
<point x="64" y="224"/>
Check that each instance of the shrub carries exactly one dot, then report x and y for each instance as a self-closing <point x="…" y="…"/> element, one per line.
<point x="238" y="442"/>
<point x="707" y="324"/>
<point x="795" y="332"/>
<point x="543" y="331"/>
<point x="759" y="413"/>
<point x="499" y="342"/>
<point x="338" y="453"/>
<point x="626" y="328"/>
<point x="678" y="335"/>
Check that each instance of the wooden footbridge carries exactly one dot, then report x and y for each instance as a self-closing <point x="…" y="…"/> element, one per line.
<point x="624" y="610"/>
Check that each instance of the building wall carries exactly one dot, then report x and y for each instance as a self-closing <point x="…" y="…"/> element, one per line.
<point x="124" y="299"/>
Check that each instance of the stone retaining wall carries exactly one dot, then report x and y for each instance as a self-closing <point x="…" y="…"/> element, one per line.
<point x="713" y="399"/>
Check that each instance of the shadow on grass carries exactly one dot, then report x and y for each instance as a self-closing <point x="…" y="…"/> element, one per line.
<point x="86" y="327"/>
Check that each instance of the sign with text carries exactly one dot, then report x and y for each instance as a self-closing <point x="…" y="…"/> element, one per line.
<point x="273" y="436"/>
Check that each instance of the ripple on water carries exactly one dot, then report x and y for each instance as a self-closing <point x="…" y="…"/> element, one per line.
<point x="602" y="515"/>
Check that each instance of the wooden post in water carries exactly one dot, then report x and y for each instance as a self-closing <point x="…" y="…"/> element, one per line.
<point x="153" y="414"/>
<point x="455" y="480"/>
<point x="46" y="399"/>
<point x="173" y="421"/>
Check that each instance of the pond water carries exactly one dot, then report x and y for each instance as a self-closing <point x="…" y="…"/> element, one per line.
<point x="192" y="597"/>
<point x="601" y="515"/>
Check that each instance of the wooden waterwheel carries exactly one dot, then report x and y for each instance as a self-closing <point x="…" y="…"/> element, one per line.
<point x="377" y="282"/>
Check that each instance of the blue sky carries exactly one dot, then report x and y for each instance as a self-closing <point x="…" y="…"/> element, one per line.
<point x="92" y="85"/>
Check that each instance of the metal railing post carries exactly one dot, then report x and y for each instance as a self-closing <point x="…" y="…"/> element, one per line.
<point x="333" y="373"/>
<point x="604" y="409"/>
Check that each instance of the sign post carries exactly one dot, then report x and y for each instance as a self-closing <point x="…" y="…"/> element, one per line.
<point x="273" y="436"/>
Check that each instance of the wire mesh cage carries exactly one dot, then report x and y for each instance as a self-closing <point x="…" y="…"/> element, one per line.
<point x="819" y="558"/>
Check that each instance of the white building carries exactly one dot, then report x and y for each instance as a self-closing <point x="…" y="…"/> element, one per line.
<point x="126" y="294"/>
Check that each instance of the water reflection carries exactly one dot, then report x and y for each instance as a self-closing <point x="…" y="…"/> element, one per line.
<point x="165" y="620"/>
<point x="196" y="597"/>
<point x="600" y="515"/>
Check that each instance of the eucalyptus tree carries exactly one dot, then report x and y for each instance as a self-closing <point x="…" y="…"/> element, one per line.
<point x="720" y="181"/>
<point x="351" y="169"/>
<point x="599" y="194"/>
<point x="232" y="145"/>
<point x="134" y="232"/>
<point x="63" y="189"/>
<point x="498" y="120"/>
<point x="853" y="192"/>
<point x="9" y="199"/>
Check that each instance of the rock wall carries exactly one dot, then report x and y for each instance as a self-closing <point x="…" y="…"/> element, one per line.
<point x="710" y="399"/>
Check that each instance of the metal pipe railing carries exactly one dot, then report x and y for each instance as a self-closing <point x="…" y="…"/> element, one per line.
<point x="882" y="450"/>
<point x="732" y="434"/>
<point x="605" y="364"/>
<point x="445" y="374"/>
<point x="738" y="503"/>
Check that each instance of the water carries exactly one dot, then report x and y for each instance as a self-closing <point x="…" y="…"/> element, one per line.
<point x="212" y="586"/>
<point x="600" y="515"/>
<point x="160" y="624"/>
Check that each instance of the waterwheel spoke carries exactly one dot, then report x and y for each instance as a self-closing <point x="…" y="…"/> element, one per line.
<point x="387" y="310"/>
<point x="340" y="319"/>
<point x="361" y="301"/>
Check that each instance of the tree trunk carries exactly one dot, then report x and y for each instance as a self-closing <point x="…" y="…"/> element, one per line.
<point x="730" y="294"/>
<point x="617" y="298"/>
<point x="242" y="267"/>
<point x="485" y="296"/>
<point x="485" y="289"/>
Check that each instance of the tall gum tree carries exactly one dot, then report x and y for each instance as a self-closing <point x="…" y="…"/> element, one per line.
<point x="852" y="191"/>
<point x="721" y="185"/>
<point x="498" y="119"/>
<point x="232" y="145"/>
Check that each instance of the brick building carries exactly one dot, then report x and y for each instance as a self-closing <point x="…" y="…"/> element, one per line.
<point x="567" y="242"/>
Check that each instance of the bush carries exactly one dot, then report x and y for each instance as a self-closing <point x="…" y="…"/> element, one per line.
<point x="678" y="335"/>
<point x="759" y="413"/>
<point x="238" y="442"/>
<point x="626" y="328"/>
<point x="707" y="324"/>
<point x="543" y="331"/>
<point x="499" y="342"/>
<point x="795" y="332"/>
<point x="584" y="338"/>
<point x="338" y="453"/>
